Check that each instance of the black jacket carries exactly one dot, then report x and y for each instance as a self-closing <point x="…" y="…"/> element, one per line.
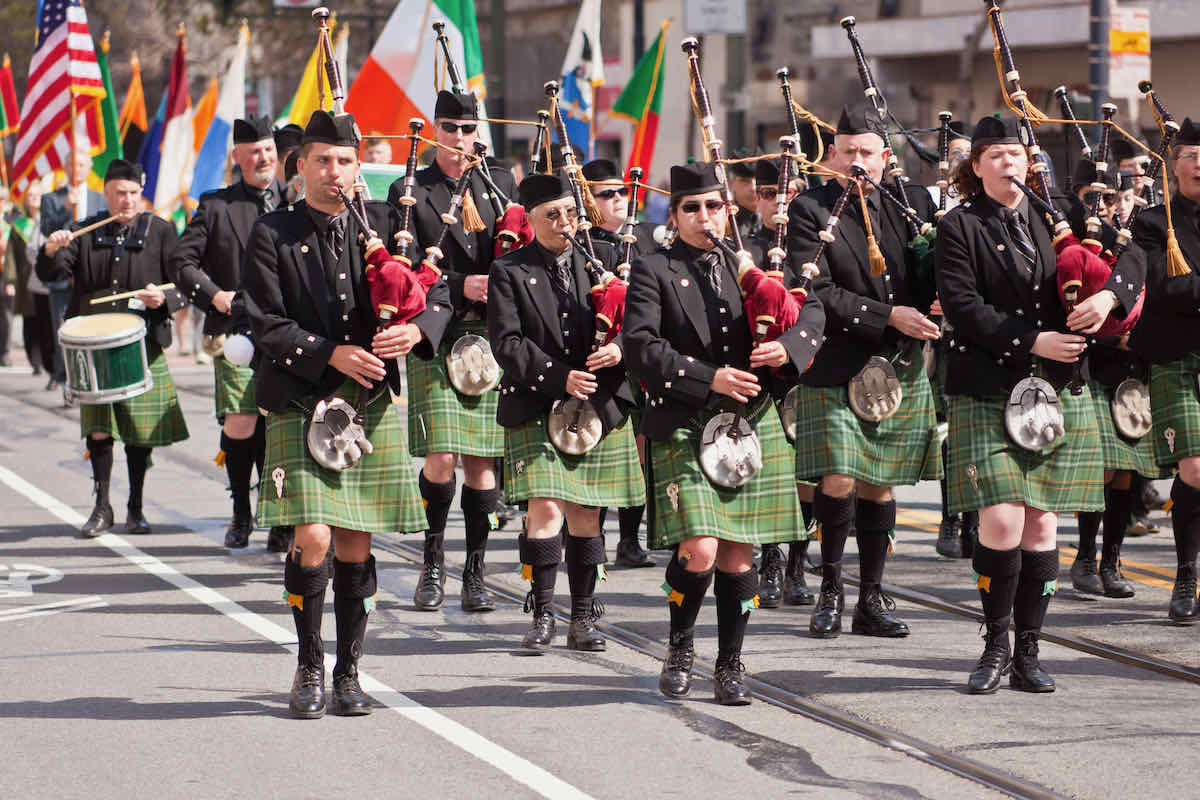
<point x="293" y="310"/>
<point x="96" y="265"/>
<point x="1170" y="324"/>
<point x="208" y="258"/>
<point x="56" y="214"/>
<point x="674" y="345"/>
<point x="857" y="304"/>
<point x="465" y="253"/>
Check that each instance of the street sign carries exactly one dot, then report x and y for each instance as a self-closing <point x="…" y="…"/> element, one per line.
<point x="1129" y="59"/>
<point x="702" y="17"/>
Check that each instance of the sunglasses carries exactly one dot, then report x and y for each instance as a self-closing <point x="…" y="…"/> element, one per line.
<point x="772" y="192"/>
<point x="555" y="214"/>
<point x="608" y="194"/>
<point x="1109" y="198"/>
<point x="693" y="206"/>
<point x="465" y="127"/>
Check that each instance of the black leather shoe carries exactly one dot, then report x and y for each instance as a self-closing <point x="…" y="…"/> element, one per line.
<point x="474" y="596"/>
<point x="675" y="680"/>
<point x="541" y="632"/>
<point x="949" y="541"/>
<point x="826" y="622"/>
<point x="307" y="700"/>
<point x="136" y="521"/>
<point x="51" y="384"/>
<point x="1115" y="584"/>
<point x="729" y="685"/>
<point x="506" y="514"/>
<point x="1183" y="609"/>
<point x="873" y="614"/>
<point x="995" y="661"/>
<point x="237" y="535"/>
<point x="1027" y="674"/>
<point x="100" y="520"/>
<point x="770" y="577"/>
<point x="279" y="540"/>
<point x="1085" y="577"/>
<point x="430" y="591"/>
<point x="631" y="554"/>
<point x="348" y="698"/>
<point x="795" y="589"/>
<point x="584" y="635"/>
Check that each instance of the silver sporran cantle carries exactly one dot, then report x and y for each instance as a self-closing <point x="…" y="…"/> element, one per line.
<point x="1033" y="415"/>
<point x="788" y="412"/>
<point x="875" y="392"/>
<point x="730" y="453"/>
<point x="335" y="440"/>
<point x="1131" y="409"/>
<point x="574" y="427"/>
<point x="213" y="346"/>
<point x="471" y="366"/>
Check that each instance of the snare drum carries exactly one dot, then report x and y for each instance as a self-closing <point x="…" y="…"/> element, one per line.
<point x="105" y="357"/>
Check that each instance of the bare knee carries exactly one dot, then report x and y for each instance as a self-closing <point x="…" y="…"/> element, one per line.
<point x="311" y="543"/>
<point x="735" y="557"/>
<point x="544" y="518"/>
<point x="1041" y="530"/>
<point x="872" y="493"/>
<point x="352" y="547"/>
<point x="698" y="554"/>
<point x="1001" y="526"/>
<point x="837" y="485"/>
<point x="239" y="426"/>
<point x="582" y="521"/>
<point x="1121" y="479"/>
<point x="479" y="472"/>
<point x="1189" y="471"/>
<point x="439" y="467"/>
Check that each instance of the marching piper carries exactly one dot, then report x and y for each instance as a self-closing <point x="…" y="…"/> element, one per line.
<point x="128" y="253"/>
<point x="337" y="464"/>
<point x="688" y="340"/>
<point x="207" y="266"/>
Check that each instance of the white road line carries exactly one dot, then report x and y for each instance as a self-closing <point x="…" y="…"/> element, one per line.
<point x="42" y="609"/>
<point x="508" y="762"/>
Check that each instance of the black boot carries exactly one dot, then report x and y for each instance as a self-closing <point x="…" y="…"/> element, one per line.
<point x="729" y="681"/>
<point x="675" y="679"/>
<point x="795" y="585"/>
<point x="430" y="591"/>
<point x="354" y="586"/>
<point x="584" y="558"/>
<point x="629" y="549"/>
<point x="826" y="622"/>
<point x="997" y="572"/>
<point x="685" y="595"/>
<point x="1085" y="577"/>
<point x="539" y="565"/>
<point x="306" y="595"/>
<point x="949" y="541"/>
<point x="836" y="515"/>
<point x="1117" y="513"/>
<point x="279" y="539"/>
<point x="770" y="582"/>
<point x="735" y="594"/>
<point x="1185" y="519"/>
<point x="478" y="507"/>
<point x="1035" y="585"/>
<point x="1183" y="608"/>
<point x="239" y="461"/>
<point x="873" y="613"/>
<point x="812" y="556"/>
<point x="1027" y="673"/>
<point x="995" y="661"/>
<point x="101" y="518"/>
<point x="137" y="460"/>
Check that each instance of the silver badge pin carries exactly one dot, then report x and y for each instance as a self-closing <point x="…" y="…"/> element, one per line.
<point x="1169" y="435"/>
<point x="278" y="475"/>
<point x="673" y="495"/>
<point x="973" y="476"/>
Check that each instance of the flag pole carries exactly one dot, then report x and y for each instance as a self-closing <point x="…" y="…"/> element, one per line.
<point x="72" y="204"/>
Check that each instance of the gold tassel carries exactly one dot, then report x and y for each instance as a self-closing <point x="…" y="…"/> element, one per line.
<point x="874" y="254"/>
<point x="1176" y="263"/>
<point x="471" y="221"/>
<point x="1032" y="113"/>
<point x="589" y="204"/>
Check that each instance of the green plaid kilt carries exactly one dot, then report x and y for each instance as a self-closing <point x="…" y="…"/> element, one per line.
<point x="440" y="420"/>
<point x="153" y="419"/>
<point x="683" y="503"/>
<point x="234" y="388"/>
<point x="377" y="495"/>
<point x="607" y="476"/>
<point x="902" y="449"/>
<point x="937" y="376"/>
<point x="1119" y="452"/>
<point x="1176" y="408"/>
<point x="1068" y="478"/>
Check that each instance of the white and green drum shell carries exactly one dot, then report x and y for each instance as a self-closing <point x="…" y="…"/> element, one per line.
<point x="105" y="356"/>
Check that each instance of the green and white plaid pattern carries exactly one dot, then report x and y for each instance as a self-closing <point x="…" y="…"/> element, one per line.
<point x="440" y="420"/>
<point x="902" y="449"/>
<point x="153" y="419"/>
<point x="682" y="502"/>
<point x="234" y="388"/>
<point x="985" y="467"/>
<point x="379" y="494"/>
<point x="1119" y="452"/>
<point x="606" y="476"/>
<point x="1176" y="408"/>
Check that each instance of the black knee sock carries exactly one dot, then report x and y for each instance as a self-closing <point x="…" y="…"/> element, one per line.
<point x="539" y="565"/>
<point x="630" y="520"/>
<point x="584" y="557"/>
<point x="685" y="595"/>
<point x="354" y="587"/>
<point x="797" y="550"/>
<point x="258" y="446"/>
<point x="137" y="459"/>
<point x="1089" y="526"/>
<point x="996" y="578"/>
<point x="1117" y="513"/>
<point x="1185" y="519"/>
<point x="479" y="515"/>
<point x="1037" y="582"/>
<point x="806" y="513"/>
<point x="836" y="515"/>
<point x="874" y="523"/>
<point x="239" y="460"/>
<point x="734" y="593"/>
<point x="970" y="520"/>
<point x="305" y="588"/>
<point x="100" y="454"/>
<point x="945" y="491"/>
<point x="437" y="498"/>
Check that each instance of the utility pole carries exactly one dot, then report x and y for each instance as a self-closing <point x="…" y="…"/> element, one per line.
<point x="498" y="71"/>
<point x="639" y="29"/>
<point x="1098" y="48"/>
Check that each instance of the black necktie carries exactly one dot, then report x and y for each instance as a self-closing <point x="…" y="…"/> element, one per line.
<point x="336" y="236"/>
<point x="712" y="267"/>
<point x="267" y="196"/>
<point x="562" y="272"/>
<point x="1020" y="238"/>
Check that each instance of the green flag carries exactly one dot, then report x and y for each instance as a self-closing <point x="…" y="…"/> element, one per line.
<point x="108" y="113"/>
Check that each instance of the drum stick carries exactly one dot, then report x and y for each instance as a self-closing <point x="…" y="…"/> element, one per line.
<point x="126" y="295"/>
<point x="89" y="228"/>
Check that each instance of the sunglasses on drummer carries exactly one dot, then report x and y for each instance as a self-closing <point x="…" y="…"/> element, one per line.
<point x="608" y="194"/>
<point x="465" y="127"/>
<point x="693" y="206"/>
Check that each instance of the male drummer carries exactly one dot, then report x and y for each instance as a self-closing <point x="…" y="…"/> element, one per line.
<point x="688" y="340"/>
<point x="129" y="253"/>
<point x="309" y="304"/>
<point x="872" y="314"/>
<point x="207" y="266"/>
<point x="444" y="424"/>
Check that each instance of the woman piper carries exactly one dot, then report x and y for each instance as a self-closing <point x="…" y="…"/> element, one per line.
<point x="542" y="328"/>
<point x="687" y="339"/>
<point x="996" y="283"/>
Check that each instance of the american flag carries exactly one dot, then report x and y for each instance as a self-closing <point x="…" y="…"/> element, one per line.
<point x="63" y="65"/>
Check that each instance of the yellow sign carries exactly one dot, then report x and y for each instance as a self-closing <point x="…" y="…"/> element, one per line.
<point x="1135" y="42"/>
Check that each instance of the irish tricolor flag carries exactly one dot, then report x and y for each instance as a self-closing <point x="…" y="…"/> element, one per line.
<point x="401" y="77"/>
<point x="641" y="103"/>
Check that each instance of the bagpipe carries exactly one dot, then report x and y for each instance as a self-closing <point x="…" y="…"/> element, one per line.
<point x="628" y="239"/>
